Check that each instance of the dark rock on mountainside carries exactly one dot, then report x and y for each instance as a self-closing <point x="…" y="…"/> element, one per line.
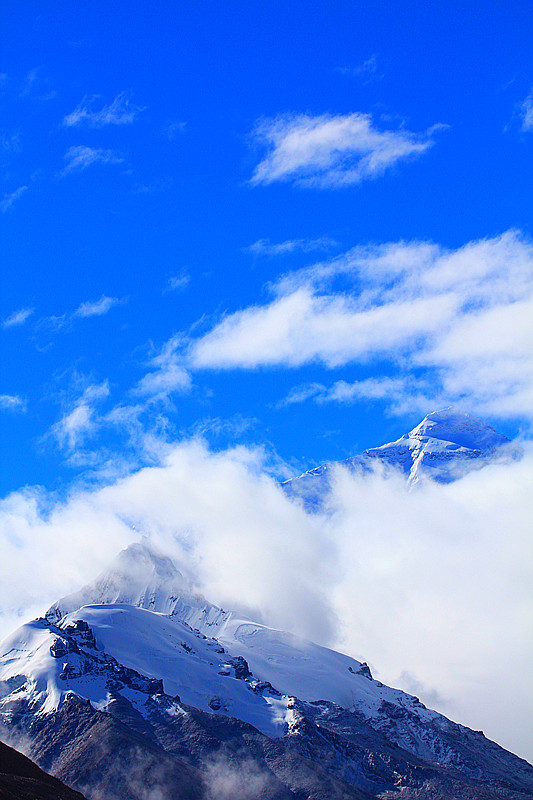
<point x="21" y="779"/>
<point x="329" y="753"/>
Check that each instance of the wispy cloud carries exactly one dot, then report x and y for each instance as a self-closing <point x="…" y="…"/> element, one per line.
<point x="80" y="157"/>
<point x="526" y="112"/>
<point x="169" y="375"/>
<point x="97" y="308"/>
<point x="366" y="72"/>
<point x="12" y="402"/>
<point x="264" y="247"/>
<point x="86" y="310"/>
<point x="172" y="129"/>
<point x="464" y="316"/>
<point x="17" y="317"/>
<point x="78" y="421"/>
<point x="37" y="86"/>
<point x="120" y="112"/>
<point x="177" y="283"/>
<point x="9" y="199"/>
<point x="402" y="394"/>
<point x="331" y="151"/>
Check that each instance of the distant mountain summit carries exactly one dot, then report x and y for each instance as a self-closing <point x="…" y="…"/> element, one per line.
<point x="446" y="445"/>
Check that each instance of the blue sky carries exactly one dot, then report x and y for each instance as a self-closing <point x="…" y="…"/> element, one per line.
<point x="171" y="177"/>
<point x="240" y="239"/>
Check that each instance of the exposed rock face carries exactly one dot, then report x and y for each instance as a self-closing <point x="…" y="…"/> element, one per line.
<point x="115" y="732"/>
<point x="21" y="779"/>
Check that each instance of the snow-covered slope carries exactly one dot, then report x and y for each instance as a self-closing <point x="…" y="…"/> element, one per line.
<point x="237" y="675"/>
<point x="446" y="445"/>
<point x="155" y="672"/>
<point x="196" y="648"/>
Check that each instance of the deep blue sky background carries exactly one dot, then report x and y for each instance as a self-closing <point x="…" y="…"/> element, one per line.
<point x="179" y="202"/>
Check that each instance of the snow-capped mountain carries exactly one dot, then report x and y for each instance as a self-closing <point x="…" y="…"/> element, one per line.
<point x="136" y="658"/>
<point x="446" y="445"/>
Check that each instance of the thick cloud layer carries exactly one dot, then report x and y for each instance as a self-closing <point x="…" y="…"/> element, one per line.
<point x="430" y="586"/>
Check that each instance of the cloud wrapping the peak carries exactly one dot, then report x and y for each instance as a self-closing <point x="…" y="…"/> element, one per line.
<point x="432" y="582"/>
<point x="331" y="151"/>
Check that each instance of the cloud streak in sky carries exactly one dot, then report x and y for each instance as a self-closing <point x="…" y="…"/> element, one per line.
<point x="168" y="376"/>
<point x="463" y="316"/>
<point x="17" y="318"/>
<point x="264" y="247"/>
<point x="78" y="422"/>
<point x="10" y="199"/>
<point x="120" y="112"/>
<point x="97" y="308"/>
<point x="80" y="157"/>
<point x="328" y="151"/>
<point x="12" y="402"/>
<point x="526" y="112"/>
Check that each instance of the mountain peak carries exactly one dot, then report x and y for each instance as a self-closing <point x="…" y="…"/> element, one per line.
<point x="140" y="559"/>
<point x="138" y="576"/>
<point x="455" y="426"/>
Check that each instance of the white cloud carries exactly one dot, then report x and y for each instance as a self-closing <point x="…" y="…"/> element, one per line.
<point x="264" y="247"/>
<point x="303" y="327"/>
<point x="301" y="393"/>
<point x="79" y="421"/>
<point x="171" y="129"/>
<point x="366" y="72"/>
<point x="178" y="282"/>
<point x="526" y="112"/>
<point x="80" y="157"/>
<point x="120" y="112"/>
<point x="9" y="199"/>
<point x="87" y="309"/>
<point x="12" y="402"/>
<point x="465" y="316"/>
<point x="420" y="582"/>
<point x="17" y="318"/>
<point x="97" y="308"/>
<point x="403" y="395"/>
<point x="331" y="151"/>
<point x="170" y="374"/>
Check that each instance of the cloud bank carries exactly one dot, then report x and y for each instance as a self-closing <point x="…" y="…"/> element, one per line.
<point x="431" y="587"/>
